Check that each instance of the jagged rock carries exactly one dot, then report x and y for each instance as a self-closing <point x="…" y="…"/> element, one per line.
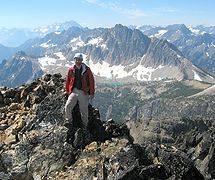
<point x="207" y="165"/>
<point x="10" y="93"/>
<point x="178" y="165"/>
<point x="35" y="128"/>
<point x="95" y="125"/>
<point x="146" y="172"/>
<point x="3" y="127"/>
<point x="1" y="99"/>
<point x="101" y="161"/>
<point x="118" y="159"/>
<point x="39" y="146"/>
<point x="39" y="153"/>
<point x="201" y="150"/>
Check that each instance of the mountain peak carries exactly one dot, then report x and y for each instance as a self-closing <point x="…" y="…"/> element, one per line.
<point x="57" y="27"/>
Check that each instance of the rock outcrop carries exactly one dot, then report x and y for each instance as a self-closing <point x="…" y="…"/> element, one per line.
<point x="35" y="144"/>
<point x="199" y="146"/>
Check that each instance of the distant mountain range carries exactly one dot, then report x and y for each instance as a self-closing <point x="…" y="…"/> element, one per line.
<point x="196" y="43"/>
<point x="17" y="36"/>
<point x="116" y="54"/>
<point x="20" y="70"/>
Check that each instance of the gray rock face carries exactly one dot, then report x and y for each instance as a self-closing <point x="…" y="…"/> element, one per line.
<point x="41" y="153"/>
<point x="36" y="145"/>
<point x="19" y="70"/>
<point x="157" y="54"/>
<point x="39" y="145"/>
<point x="199" y="145"/>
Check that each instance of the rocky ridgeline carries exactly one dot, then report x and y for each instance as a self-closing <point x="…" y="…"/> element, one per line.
<point x="18" y="105"/>
<point x="35" y="144"/>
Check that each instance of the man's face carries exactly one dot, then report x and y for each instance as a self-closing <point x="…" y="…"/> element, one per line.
<point x="78" y="61"/>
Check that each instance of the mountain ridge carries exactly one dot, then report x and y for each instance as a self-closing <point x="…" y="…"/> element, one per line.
<point x="196" y="43"/>
<point x="114" y="53"/>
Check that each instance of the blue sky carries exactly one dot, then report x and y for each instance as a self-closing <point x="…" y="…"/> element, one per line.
<point x="106" y="13"/>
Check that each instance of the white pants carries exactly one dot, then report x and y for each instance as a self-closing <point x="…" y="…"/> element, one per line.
<point x="83" y="100"/>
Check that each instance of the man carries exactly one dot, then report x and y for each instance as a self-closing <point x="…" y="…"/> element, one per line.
<point x="80" y="87"/>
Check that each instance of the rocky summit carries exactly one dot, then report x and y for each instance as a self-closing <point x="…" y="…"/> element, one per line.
<point x="36" y="144"/>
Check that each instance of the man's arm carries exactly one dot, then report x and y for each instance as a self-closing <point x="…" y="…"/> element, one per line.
<point x="68" y="78"/>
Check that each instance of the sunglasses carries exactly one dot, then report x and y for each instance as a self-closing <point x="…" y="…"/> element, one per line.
<point x="78" y="59"/>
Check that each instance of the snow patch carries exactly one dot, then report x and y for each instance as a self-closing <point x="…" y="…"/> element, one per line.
<point x="23" y="58"/>
<point x="104" y="69"/>
<point x="97" y="42"/>
<point x="44" y="30"/>
<point x="160" y="33"/>
<point x="196" y="76"/>
<point x="46" y="61"/>
<point x="60" y="55"/>
<point x="76" y="42"/>
<point x="194" y="31"/>
<point x="57" y="32"/>
<point x="210" y="76"/>
<point x="47" y="44"/>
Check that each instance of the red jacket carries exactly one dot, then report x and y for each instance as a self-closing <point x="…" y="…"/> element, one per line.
<point x="88" y="84"/>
